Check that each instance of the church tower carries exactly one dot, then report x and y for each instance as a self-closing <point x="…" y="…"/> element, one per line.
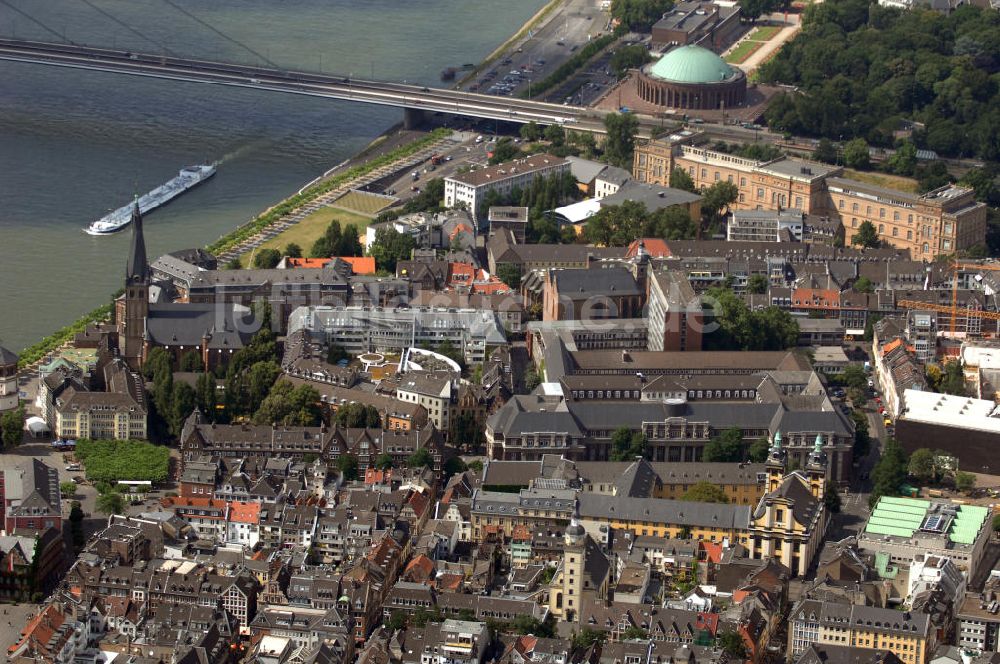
<point x="132" y="326"/>
<point x="775" y="465"/>
<point x="816" y="468"/>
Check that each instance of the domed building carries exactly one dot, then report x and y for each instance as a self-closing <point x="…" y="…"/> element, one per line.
<point x="692" y="77"/>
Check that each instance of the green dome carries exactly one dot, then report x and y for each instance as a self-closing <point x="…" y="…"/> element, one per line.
<point x="691" y="64"/>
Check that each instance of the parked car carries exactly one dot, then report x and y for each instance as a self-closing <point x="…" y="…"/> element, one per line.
<point x="74" y="466"/>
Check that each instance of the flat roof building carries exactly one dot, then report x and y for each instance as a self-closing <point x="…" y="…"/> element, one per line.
<point x="901" y="528"/>
<point x="470" y="188"/>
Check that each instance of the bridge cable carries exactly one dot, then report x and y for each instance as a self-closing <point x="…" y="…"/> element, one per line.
<point x="34" y="20"/>
<point x="129" y="27"/>
<point x="220" y="33"/>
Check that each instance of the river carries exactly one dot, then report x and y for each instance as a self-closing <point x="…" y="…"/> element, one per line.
<point x="75" y="144"/>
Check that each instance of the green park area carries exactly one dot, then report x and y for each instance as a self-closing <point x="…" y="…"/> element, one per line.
<point x="307" y="231"/>
<point x="130" y="460"/>
<point x="743" y="51"/>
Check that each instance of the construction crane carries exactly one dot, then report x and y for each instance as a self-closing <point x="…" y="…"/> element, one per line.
<point x="954" y="310"/>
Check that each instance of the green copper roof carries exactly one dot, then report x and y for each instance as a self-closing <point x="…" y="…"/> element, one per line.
<point x="691" y="64"/>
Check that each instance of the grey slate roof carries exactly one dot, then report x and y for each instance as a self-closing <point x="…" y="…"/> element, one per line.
<point x="677" y="512"/>
<point x="7" y="357"/>
<point x="654" y="197"/>
<point x="608" y="281"/>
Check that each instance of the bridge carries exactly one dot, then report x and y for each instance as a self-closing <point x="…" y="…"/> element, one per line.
<point x="414" y="99"/>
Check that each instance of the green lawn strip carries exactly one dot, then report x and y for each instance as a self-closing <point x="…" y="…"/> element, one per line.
<point x="743" y="51"/>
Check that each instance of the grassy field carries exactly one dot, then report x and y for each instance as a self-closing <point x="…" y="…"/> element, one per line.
<point x="309" y="229"/>
<point x="883" y="180"/>
<point x="764" y="33"/>
<point x="363" y="203"/>
<point x="743" y="51"/>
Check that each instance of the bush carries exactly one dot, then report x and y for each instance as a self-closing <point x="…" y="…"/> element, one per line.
<point x="113" y="460"/>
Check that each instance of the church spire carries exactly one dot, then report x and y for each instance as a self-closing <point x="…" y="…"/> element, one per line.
<point x="137" y="268"/>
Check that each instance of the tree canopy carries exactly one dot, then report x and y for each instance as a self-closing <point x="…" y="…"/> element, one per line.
<point x="639" y="15"/>
<point x="620" y="225"/>
<point x="626" y="444"/>
<point x="706" y="492"/>
<point x="733" y="326"/>
<point x="727" y="446"/>
<point x="629" y="57"/>
<point x="620" y="143"/>
<point x="266" y="259"/>
<point x="862" y="70"/>
<point x="336" y="241"/>
<point x="389" y="247"/>
<point x="867" y="236"/>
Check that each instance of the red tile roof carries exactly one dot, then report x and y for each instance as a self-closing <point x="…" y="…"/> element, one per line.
<point x="655" y="247"/>
<point x="244" y="512"/>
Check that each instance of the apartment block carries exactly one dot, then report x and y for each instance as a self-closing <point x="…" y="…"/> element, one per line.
<point x="471" y="188"/>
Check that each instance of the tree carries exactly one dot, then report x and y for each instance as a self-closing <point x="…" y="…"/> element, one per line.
<point x="233" y="264"/>
<point x="626" y="444"/>
<point x="383" y="461"/>
<point x="854" y="376"/>
<point x="510" y="274"/>
<point x="856" y="154"/>
<point x="639" y="15"/>
<point x="965" y="482"/>
<point x="867" y="236"/>
<point x="191" y="362"/>
<point x="421" y="457"/>
<point x="733" y="645"/>
<point x="335" y="354"/>
<point x="454" y="466"/>
<point x="293" y="250"/>
<point x="953" y="380"/>
<point x="728" y="446"/>
<point x="825" y="151"/>
<point x="706" y="492"/>
<point x="731" y="325"/>
<point x="904" y="160"/>
<point x="67" y="489"/>
<point x="206" y="394"/>
<point x="715" y="200"/>
<point x="12" y="427"/>
<point x="531" y="132"/>
<point x="183" y="402"/>
<point x="347" y="464"/>
<point x="831" y="499"/>
<point x="466" y="432"/>
<point x="757" y="284"/>
<point x="619" y="145"/>
<point x="889" y="473"/>
<point x="327" y="244"/>
<point x="588" y="637"/>
<point x="555" y="134"/>
<point x="921" y="465"/>
<point x="759" y="450"/>
<point x="864" y="285"/>
<point x="355" y="415"/>
<point x="291" y="405"/>
<point x="532" y="379"/>
<point x="397" y="621"/>
<point x="629" y="57"/>
<point x="266" y="259"/>
<point x="110" y="502"/>
<point x="635" y="633"/>
<point x="996" y="523"/>
<point x="680" y="179"/>
<point x="389" y="247"/>
<point x="505" y="150"/>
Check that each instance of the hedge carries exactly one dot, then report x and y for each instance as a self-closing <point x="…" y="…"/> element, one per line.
<point x="133" y="460"/>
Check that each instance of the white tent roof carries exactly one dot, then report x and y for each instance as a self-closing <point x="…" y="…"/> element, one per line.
<point x="36" y="425"/>
<point x="578" y="212"/>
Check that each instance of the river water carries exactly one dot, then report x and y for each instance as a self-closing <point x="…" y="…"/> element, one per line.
<point x="75" y="144"/>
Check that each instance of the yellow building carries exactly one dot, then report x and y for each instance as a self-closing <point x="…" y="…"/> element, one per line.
<point x="937" y="223"/>
<point x="907" y="635"/>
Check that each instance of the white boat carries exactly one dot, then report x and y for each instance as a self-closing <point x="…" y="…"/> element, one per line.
<point x="187" y="178"/>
